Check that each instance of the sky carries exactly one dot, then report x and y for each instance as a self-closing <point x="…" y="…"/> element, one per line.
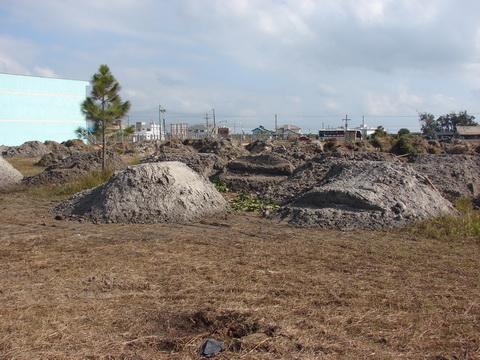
<point x="310" y="62"/>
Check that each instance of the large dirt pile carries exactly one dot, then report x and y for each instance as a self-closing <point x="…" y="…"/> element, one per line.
<point x="59" y="152"/>
<point x="312" y="172"/>
<point x="148" y="193"/>
<point x="9" y="176"/>
<point x="206" y="165"/>
<point x="27" y="149"/>
<point x="75" y="166"/>
<point x="256" y="173"/>
<point x="453" y="175"/>
<point x="366" y="195"/>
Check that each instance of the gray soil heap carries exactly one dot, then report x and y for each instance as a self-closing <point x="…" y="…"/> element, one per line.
<point x="453" y="175"/>
<point x="9" y="176"/>
<point x="75" y="166"/>
<point x="366" y="195"/>
<point x="148" y="193"/>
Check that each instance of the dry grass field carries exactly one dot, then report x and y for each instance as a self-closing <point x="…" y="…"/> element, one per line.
<point x="72" y="290"/>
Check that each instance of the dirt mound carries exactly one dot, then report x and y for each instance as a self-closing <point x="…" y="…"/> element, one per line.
<point x="27" y="149"/>
<point x="60" y="152"/>
<point x="313" y="171"/>
<point x="367" y="195"/>
<point x="9" y="176"/>
<point x="297" y="152"/>
<point x="74" y="166"/>
<point x="205" y="164"/>
<point x="266" y="164"/>
<point x="224" y="148"/>
<point x="148" y="193"/>
<point x="453" y="175"/>
<point x="259" y="146"/>
<point x="256" y="173"/>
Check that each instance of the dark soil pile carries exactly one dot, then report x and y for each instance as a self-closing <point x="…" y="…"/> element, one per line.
<point x="28" y="149"/>
<point x="256" y="173"/>
<point x="75" y="166"/>
<point x="224" y="148"/>
<point x="366" y="195"/>
<point x="206" y="165"/>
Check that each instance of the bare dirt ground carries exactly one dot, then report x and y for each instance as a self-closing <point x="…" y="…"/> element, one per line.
<point x="81" y="291"/>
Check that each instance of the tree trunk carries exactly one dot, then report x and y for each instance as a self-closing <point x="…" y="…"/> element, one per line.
<point x="104" y="144"/>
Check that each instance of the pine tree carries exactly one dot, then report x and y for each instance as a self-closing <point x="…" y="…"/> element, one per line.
<point x="104" y="105"/>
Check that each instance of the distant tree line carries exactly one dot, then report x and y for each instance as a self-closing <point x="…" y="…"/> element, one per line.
<point x="446" y="123"/>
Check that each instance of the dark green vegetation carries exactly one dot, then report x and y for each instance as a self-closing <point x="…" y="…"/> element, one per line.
<point x="104" y="106"/>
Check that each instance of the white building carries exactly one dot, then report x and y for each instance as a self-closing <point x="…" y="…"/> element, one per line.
<point x="148" y="131"/>
<point x="288" y="131"/>
<point x="179" y="130"/>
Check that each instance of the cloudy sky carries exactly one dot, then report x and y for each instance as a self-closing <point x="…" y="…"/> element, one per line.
<point x="309" y="61"/>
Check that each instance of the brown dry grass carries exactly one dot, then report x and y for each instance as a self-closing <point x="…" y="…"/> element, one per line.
<point x="81" y="291"/>
<point x="26" y="165"/>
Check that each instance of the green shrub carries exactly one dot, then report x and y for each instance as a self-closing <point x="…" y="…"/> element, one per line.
<point x="405" y="145"/>
<point x="252" y="203"/>
<point x="220" y="185"/>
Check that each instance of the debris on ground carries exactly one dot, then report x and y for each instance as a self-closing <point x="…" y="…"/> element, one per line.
<point x="75" y="166"/>
<point x="148" y="193"/>
<point x="454" y="176"/>
<point x="211" y="347"/>
<point x="366" y="195"/>
<point x="9" y="176"/>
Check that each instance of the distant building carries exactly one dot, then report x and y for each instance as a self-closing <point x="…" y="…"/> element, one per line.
<point x="179" y="130"/>
<point x="340" y="134"/>
<point x="262" y="133"/>
<point x="288" y="132"/>
<point x="39" y="108"/>
<point x="461" y="132"/>
<point x="200" y="131"/>
<point x="468" y="132"/>
<point x="147" y="132"/>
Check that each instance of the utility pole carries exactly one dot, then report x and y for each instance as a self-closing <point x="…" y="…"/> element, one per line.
<point x="346" y="122"/>
<point x="214" y="122"/>
<point x="206" y="121"/>
<point x="160" y="112"/>
<point x="276" y="126"/>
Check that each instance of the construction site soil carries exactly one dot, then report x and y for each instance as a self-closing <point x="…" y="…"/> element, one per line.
<point x="148" y="193"/>
<point x="75" y="166"/>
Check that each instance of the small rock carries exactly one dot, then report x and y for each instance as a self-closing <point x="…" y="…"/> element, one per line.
<point x="59" y="217"/>
<point x="211" y="347"/>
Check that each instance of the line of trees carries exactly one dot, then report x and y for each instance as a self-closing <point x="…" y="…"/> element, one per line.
<point x="446" y="123"/>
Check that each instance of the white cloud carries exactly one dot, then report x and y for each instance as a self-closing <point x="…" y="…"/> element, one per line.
<point x="44" y="71"/>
